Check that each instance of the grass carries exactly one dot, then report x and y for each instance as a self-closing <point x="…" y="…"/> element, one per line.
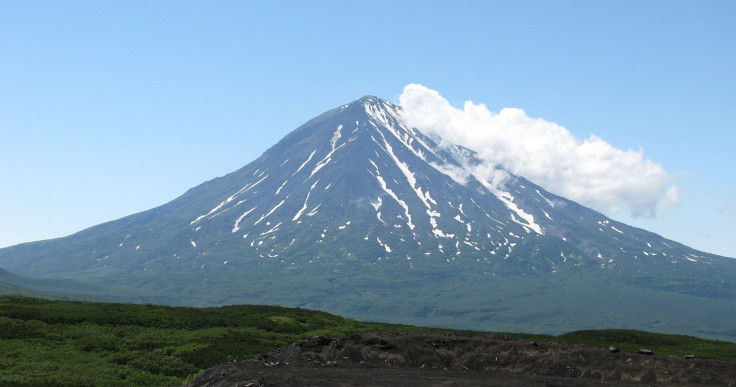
<point x="56" y="343"/>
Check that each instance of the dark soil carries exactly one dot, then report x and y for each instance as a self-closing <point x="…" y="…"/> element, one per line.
<point x="412" y="359"/>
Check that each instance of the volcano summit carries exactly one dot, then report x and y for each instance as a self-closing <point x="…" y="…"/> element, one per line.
<point x="358" y="214"/>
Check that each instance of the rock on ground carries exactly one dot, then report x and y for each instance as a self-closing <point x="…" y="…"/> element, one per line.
<point x="403" y="359"/>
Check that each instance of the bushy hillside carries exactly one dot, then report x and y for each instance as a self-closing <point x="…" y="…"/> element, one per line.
<point x="46" y="342"/>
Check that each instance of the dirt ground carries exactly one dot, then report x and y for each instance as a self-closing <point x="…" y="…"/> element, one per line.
<point x="420" y="359"/>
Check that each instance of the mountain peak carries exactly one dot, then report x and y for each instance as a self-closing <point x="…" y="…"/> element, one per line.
<point x="369" y="98"/>
<point x="373" y="105"/>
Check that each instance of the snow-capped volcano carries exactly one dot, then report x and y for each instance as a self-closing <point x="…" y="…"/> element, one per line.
<point x="360" y="166"/>
<point x="356" y="213"/>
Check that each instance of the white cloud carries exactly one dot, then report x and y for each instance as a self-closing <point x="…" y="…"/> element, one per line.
<point x="591" y="171"/>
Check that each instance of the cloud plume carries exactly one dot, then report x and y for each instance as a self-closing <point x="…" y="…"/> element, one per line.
<point x="591" y="171"/>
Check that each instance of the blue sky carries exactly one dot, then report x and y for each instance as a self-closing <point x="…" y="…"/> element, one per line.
<point x="111" y="108"/>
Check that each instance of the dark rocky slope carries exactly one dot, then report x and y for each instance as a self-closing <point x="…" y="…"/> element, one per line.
<point x="403" y="359"/>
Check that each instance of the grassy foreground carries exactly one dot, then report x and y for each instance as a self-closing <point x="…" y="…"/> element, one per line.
<point x="44" y="342"/>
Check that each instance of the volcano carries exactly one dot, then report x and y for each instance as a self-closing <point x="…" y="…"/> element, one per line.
<point x="358" y="214"/>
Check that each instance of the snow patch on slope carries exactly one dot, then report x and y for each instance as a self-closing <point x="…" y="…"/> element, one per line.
<point x="236" y="227"/>
<point x="392" y="194"/>
<point x="304" y="163"/>
<point x="304" y="208"/>
<point x="269" y="212"/>
<point x="335" y="137"/>
<point x="232" y="197"/>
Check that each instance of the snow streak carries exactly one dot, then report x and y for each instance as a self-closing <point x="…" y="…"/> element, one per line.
<point x="236" y="227"/>
<point x="269" y="212"/>
<point x="390" y="192"/>
<point x="304" y="163"/>
<point x="232" y="197"/>
<point x="304" y="208"/>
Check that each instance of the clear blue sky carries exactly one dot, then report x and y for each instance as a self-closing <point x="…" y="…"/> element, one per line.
<point x="110" y="108"/>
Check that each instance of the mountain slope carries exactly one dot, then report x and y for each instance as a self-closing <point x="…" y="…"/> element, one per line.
<point x="357" y="214"/>
<point x="59" y="289"/>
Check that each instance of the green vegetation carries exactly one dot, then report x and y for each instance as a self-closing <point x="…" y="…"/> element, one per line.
<point x="50" y="343"/>
<point x="46" y="342"/>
